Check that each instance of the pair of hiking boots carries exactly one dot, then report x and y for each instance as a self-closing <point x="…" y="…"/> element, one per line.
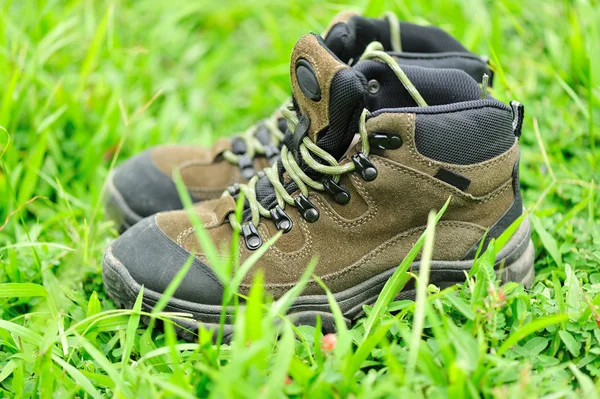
<point x="376" y="136"/>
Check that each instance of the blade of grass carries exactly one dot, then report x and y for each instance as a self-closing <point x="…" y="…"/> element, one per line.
<point x="8" y="369"/>
<point x="175" y="363"/>
<point x="344" y="342"/>
<point x="366" y="347"/>
<point x="26" y="334"/>
<point x="132" y="326"/>
<point x="281" y="364"/>
<point x="106" y="365"/>
<point x="171" y="288"/>
<point x="91" y="59"/>
<point x="421" y="298"/>
<point x="529" y="329"/>
<point x="254" y="309"/>
<point x="206" y="243"/>
<point x="589" y="390"/>
<point x="79" y="378"/>
<point x="17" y="290"/>
<point x="164" y="351"/>
<point x="398" y="280"/>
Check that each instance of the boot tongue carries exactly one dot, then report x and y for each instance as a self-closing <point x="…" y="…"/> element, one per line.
<point x="329" y="96"/>
<point x="349" y="34"/>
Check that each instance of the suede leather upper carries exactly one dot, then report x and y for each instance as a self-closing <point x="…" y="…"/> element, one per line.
<point x="146" y="181"/>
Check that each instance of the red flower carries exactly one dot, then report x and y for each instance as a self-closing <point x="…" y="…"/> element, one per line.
<point x="328" y="342"/>
<point x="501" y="295"/>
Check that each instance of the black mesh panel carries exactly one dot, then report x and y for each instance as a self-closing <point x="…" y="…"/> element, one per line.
<point x="471" y="64"/>
<point x="465" y="135"/>
<point x="349" y="40"/>
<point x="346" y="102"/>
<point x="427" y="39"/>
<point x="263" y="188"/>
<point x="437" y="86"/>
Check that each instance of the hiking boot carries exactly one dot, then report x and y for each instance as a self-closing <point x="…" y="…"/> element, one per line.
<point x="144" y="185"/>
<point x="356" y="203"/>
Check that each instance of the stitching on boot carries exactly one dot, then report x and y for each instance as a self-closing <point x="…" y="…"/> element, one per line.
<point x="430" y="179"/>
<point x="287" y="256"/>
<point x="200" y="190"/>
<point x="373" y="253"/>
<point x="362" y="219"/>
<point x="185" y="233"/>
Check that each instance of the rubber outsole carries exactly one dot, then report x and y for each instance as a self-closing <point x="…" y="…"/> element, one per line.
<point x="117" y="209"/>
<point x="514" y="263"/>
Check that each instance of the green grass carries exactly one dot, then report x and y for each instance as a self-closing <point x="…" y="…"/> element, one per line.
<point x="85" y="84"/>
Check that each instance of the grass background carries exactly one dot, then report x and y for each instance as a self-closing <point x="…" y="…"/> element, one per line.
<point x="84" y="84"/>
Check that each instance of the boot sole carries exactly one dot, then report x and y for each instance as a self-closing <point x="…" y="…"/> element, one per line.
<point x="514" y="263"/>
<point x="117" y="209"/>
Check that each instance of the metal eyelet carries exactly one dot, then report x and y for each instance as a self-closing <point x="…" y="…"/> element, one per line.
<point x="307" y="209"/>
<point x="271" y="153"/>
<point x="246" y="167"/>
<point x="262" y="134"/>
<point x="339" y="193"/>
<point x="238" y="146"/>
<point x="373" y="86"/>
<point x="234" y="189"/>
<point x="365" y="167"/>
<point x="251" y="236"/>
<point x="282" y="221"/>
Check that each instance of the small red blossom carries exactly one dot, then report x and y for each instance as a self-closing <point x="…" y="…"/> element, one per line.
<point x="288" y="380"/>
<point x="501" y="295"/>
<point x="328" y="342"/>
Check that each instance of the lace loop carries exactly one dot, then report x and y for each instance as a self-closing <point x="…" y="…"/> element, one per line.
<point x="394" y="25"/>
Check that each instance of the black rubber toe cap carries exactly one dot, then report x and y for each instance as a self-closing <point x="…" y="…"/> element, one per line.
<point x="144" y="187"/>
<point x="152" y="259"/>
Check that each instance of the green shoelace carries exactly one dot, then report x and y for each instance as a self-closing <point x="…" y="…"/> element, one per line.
<point x="307" y="148"/>
<point x="253" y="145"/>
<point x="394" y="24"/>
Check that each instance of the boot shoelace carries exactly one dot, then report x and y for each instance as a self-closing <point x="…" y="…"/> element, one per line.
<point x="333" y="171"/>
<point x="250" y="145"/>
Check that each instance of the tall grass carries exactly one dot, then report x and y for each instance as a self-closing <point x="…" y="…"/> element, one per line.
<point x="86" y="84"/>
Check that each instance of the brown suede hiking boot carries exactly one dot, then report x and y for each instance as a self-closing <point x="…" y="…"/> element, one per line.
<point x="143" y="185"/>
<point x="356" y="203"/>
